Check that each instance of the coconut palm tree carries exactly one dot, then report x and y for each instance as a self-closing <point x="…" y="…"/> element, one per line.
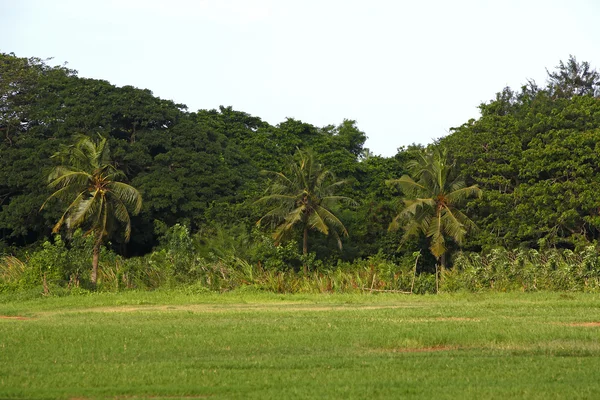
<point x="434" y="194"/>
<point x="304" y="196"/>
<point x="89" y="183"/>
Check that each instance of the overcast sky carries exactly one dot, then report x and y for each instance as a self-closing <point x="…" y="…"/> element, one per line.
<point x="406" y="71"/>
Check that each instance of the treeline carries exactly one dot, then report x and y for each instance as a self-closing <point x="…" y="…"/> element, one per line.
<point x="200" y="169"/>
<point x="533" y="152"/>
<point x="536" y="154"/>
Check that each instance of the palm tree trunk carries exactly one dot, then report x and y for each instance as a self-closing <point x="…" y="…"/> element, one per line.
<point x="95" y="259"/>
<point x="305" y="247"/>
<point x="437" y="281"/>
<point x="412" y="284"/>
<point x="305" y="241"/>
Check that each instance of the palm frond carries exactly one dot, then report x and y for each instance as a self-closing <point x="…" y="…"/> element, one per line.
<point x="433" y="191"/>
<point x="70" y="178"/>
<point x="435" y="233"/>
<point x="300" y="194"/>
<point x="290" y="220"/>
<point x="88" y="177"/>
<point x="277" y="175"/>
<point x="407" y="184"/>
<point x="276" y="197"/>
<point x="331" y="219"/>
<point x="127" y="194"/>
<point x="330" y="201"/>
<point x="315" y="221"/>
<point x="86" y="209"/>
<point x="62" y="193"/>
<point x="414" y="206"/>
<point x="411" y="229"/>
<point x="452" y="226"/>
<point x="458" y="195"/>
<point x="332" y="186"/>
<point x="70" y="209"/>
<point x="323" y="176"/>
<point x="121" y="214"/>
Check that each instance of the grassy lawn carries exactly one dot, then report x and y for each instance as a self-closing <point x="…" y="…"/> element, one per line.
<point x="248" y="345"/>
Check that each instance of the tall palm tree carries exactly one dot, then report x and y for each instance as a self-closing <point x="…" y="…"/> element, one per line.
<point x="98" y="202"/>
<point x="434" y="194"/>
<point x="303" y="196"/>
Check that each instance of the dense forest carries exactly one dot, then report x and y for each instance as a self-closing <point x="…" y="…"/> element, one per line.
<point x="221" y="186"/>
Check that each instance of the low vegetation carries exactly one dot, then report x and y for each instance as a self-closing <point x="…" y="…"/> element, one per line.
<point x="191" y="263"/>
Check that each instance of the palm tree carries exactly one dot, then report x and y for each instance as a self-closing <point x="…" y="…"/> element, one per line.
<point x="304" y="196"/>
<point x="98" y="202"/>
<point x="434" y="193"/>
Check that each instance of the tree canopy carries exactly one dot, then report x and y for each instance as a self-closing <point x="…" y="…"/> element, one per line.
<point x="533" y="152"/>
<point x="89" y="183"/>
<point x="304" y="195"/>
<point x="434" y="194"/>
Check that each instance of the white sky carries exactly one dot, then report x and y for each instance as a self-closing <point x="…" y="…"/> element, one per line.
<point x="406" y="71"/>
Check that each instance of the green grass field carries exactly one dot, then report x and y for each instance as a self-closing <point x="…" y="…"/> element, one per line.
<point x="247" y="345"/>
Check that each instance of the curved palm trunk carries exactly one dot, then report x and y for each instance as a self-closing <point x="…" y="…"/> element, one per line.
<point x="305" y="246"/>
<point x="440" y="266"/>
<point x="95" y="259"/>
<point x="437" y="274"/>
<point x="305" y="241"/>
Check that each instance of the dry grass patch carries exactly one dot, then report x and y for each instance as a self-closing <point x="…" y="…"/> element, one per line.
<point x="458" y="319"/>
<point x="14" y="317"/>
<point x="215" y="308"/>
<point x="426" y="349"/>
<point x="588" y="324"/>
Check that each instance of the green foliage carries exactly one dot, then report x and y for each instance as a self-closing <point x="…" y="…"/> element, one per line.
<point x="55" y="263"/>
<point x="533" y="152"/>
<point x="525" y="270"/>
<point x="433" y="198"/>
<point x="98" y="200"/>
<point x="573" y="79"/>
<point x="90" y="183"/>
<point x="40" y="108"/>
<point x="303" y="196"/>
<point x="11" y="271"/>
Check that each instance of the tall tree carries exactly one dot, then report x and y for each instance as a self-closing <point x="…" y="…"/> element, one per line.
<point x="573" y="79"/>
<point x="303" y="196"/>
<point x="434" y="194"/>
<point x="97" y="200"/>
<point x="534" y="153"/>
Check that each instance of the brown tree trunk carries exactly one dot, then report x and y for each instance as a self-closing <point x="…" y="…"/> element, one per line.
<point x="437" y="280"/>
<point x="305" y="241"/>
<point x="95" y="259"/>
<point x="442" y="268"/>
<point x="412" y="284"/>
<point x="305" y="247"/>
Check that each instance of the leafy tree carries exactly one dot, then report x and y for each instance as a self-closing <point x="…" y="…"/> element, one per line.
<point x="24" y="151"/>
<point x="535" y="155"/>
<point x="304" y="196"/>
<point x="98" y="201"/>
<point x="377" y="206"/>
<point x="435" y="192"/>
<point x="573" y="79"/>
<point x="40" y="107"/>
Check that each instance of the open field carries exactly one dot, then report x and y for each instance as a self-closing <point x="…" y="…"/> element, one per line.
<point x="249" y="345"/>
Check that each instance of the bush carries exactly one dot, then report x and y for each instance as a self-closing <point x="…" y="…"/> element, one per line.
<point x="525" y="270"/>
